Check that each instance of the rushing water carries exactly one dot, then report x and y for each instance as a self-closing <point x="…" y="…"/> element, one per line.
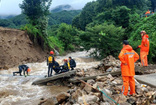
<point x="17" y="90"/>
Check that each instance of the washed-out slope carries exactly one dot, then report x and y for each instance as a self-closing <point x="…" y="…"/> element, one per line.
<point x="16" y="48"/>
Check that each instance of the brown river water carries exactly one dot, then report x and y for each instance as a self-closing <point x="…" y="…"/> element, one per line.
<point x="18" y="90"/>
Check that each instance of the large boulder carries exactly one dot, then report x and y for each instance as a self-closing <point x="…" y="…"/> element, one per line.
<point x="88" y="98"/>
<point x="62" y="97"/>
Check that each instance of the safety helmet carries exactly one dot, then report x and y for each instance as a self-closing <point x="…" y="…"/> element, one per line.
<point x="144" y="32"/>
<point x="52" y="52"/>
<point x="65" y="60"/>
<point x="28" y="70"/>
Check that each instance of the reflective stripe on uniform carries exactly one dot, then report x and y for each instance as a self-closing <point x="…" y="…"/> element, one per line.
<point x="128" y="53"/>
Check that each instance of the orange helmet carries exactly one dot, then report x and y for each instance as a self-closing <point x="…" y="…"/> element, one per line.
<point x="28" y="70"/>
<point x="65" y="60"/>
<point x="52" y="52"/>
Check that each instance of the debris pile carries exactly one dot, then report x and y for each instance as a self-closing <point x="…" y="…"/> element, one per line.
<point x="104" y="90"/>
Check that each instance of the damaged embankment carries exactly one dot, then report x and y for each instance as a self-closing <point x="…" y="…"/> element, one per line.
<point x="16" y="48"/>
<point x="110" y="87"/>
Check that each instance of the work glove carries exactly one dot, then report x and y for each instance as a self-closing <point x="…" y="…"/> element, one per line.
<point x="137" y="47"/>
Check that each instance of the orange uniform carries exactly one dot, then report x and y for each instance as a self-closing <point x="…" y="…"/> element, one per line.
<point x="148" y="12"/>
<point x="144" y="50"/>
<point x="128" y="57"/>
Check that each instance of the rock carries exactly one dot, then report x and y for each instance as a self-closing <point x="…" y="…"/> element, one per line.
<point x="138" y="89"/>
<point x="119" y="97"/>
<point x="138" y="102"/>
<point x="62" y="97"/>
<point x="76" y="94"/>
<point x="98" y="94"/>
<point x="88" y="89"/>
<point x="109" y="69"/>
<point x="5" y="67"/>
<point x="149" y="94"/>
<point x="95" y="86"/>
<point x="80" y="74"/>
<point x="144" y="89"/>
<point x="125" y="103"/>
<point x="42" y="98"/>
<point x="118" y="81"/>
<point x="154" y="101"/>
<point x="105" y="98"/>
<point x="131" y="100"/>
<point x="91" y="81"/>
<point x="49" y="84"/>
<point x="116" y="69"/>
<point x="71" y="90"/>
<point x="110" y="77"/>
<point x="114" y="83"/>
<point x="89" y="99"/>
<point x="105" y="103"/>
<point x="49" y="101"/>
<point x="101" y="78"/>
<point x="99" y="84"/>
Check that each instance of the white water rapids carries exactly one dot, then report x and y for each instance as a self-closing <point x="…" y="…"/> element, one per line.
<point x="17" y="90"/>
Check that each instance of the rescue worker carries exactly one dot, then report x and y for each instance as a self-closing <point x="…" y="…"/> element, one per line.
<point x="56" y="67"/>
<point x="144" y="48"/>
<point x="128" y="57"/>
<point x="23" y="68"/>
<point x="72" y="63"/>
<point x="50" y="63"/>
<point x="65" y="67"/>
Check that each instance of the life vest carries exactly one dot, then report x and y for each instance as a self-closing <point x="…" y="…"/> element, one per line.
<point x="50" y="59"/>
<point x="68" y="65"/>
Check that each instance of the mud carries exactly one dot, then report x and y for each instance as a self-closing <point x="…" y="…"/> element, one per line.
<point x="16" y="48"/>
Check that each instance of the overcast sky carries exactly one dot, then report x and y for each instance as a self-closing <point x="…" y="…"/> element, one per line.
<point x="8" y="7"/>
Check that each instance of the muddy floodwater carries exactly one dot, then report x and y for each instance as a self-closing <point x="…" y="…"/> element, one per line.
<point x="17" y="90"/>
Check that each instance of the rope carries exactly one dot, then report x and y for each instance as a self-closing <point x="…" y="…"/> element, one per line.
<point x="108" y="96"/>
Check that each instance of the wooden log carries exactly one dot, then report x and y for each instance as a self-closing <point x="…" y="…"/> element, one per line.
<point x="94" y="77"/>
<point x="54" y="77"/>
<point x="137" y="69"/>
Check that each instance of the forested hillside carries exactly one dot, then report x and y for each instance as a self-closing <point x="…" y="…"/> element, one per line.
<point x="104" y="24"/>
<point x="58" y="15"/>
<point x="101" y="24"/>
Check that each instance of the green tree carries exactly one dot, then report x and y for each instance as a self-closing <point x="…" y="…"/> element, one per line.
<point x="153" y="5"/>
<point x="142" y="5"/>
<point x="68" y="36"/>
<point x="121" y="16"/>
<point x="37" y="12"/>
<point x="105" y="39"/>
<point x="86" y="16"/>
<point x="34" y="9"/>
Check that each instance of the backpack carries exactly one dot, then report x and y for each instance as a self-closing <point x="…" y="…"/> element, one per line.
<point x="50" y="59"/>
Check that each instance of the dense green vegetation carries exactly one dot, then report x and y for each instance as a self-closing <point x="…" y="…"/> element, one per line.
<point x="102" y="25"/>
<point x="123" y="18"/>
<point x="148" y="24"/>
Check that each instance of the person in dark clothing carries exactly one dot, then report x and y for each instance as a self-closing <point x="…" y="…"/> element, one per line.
<point x="72" y="63"/>
<point x="23" y="68"/>
<point x="50" y="63"/>
<point x="65" y="66"/>
<point x="56" y="67"/>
